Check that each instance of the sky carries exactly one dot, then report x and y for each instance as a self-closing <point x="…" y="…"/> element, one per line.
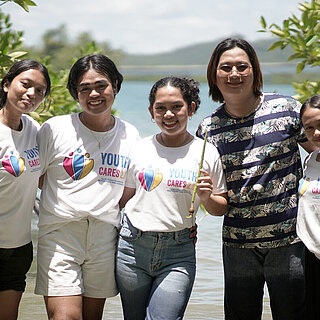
<point x="150" y="26"/>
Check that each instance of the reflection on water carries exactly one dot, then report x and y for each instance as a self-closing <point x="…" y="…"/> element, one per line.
<point x="206" y="301"/>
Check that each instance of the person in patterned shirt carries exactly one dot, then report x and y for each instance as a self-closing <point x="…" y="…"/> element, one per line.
<point x="257" y="135"/>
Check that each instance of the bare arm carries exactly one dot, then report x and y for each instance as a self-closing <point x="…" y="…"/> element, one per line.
<point x="215" y="204"/>
<point x="40" y="183"/>
<point x="128" y="193"/>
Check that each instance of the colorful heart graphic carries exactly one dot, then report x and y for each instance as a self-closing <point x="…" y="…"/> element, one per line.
<point x="78" y="165"/>
<point x="303" y="186"/>
<point x="150" y="178"/>
<point x="14" y="165"/>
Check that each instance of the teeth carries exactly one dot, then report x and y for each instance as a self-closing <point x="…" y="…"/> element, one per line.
<point x="95" y="102"/>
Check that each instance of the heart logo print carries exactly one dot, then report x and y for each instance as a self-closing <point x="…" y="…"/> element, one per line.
<point x="14" y="165"/>
<point x="78" y="165"/>
<point x="150" y="178"/>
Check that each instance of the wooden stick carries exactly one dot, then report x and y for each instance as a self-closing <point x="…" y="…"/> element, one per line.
<point x="191" y="209"/>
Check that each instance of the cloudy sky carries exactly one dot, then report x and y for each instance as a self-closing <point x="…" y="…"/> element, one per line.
<point x="150" y="26"/>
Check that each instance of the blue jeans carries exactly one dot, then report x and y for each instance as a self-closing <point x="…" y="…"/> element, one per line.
<point x="247" y="270"/>
<point x="155" y="272"/>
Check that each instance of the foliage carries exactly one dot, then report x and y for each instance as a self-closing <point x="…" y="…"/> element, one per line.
<point x="10" y="40"/>
<point x="24" y="4"/>
<point x="55" y="44"/>
<point x="60" y="101"/>
<point x="302" y="35"/>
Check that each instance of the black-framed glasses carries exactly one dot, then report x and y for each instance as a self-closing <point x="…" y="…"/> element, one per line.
<point x="242" y="69"/>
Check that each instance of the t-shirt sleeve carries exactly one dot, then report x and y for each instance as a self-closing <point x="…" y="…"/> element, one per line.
<point x="43" y="137"/>
<point x="213" y="166"/>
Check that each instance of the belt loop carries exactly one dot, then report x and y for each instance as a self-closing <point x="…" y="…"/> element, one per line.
<point x="176" y="235"/>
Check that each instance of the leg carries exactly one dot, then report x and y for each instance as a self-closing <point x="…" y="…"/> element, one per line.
<point x="134" y="282"/>
<point x="98" y="269"/>
<point x="93" y="308"/>
<point x="244" y="282"/>
<point x="285" y="279"/>
<point x="312" y="276"/>
<point x="64" y="307"/>
<point x="174" y="269"/>
<point x="14" y="264"/>
<point x="170" y="294"/>
<point x="9" y="304"/>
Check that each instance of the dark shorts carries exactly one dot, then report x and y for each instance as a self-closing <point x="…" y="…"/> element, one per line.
<point x="14" y="265"/>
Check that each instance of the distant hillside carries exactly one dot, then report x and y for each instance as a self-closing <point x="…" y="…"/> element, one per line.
<point x="199" y="54"/>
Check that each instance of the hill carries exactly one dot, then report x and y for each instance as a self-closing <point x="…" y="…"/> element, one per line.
<point x="199" y="54"/>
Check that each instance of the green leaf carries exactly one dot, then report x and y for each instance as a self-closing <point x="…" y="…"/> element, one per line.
<point x="295" y="56"/>
<point x="30" y="3"/>
<point x="24" y="4"/>
<point x="278" y="33"/>
<point x="300" y="66"/>
<point x="276" y="45"/>
<point x="263" y="22"/>
<point x="17" y="54"/>
<point x="312" y="40"/>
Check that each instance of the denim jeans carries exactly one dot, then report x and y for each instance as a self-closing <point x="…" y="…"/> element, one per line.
<point x="155" y="272"/>
<point x="247" y="270"/>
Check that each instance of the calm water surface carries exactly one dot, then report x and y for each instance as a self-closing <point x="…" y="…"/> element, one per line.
<point x="206" y="301"/>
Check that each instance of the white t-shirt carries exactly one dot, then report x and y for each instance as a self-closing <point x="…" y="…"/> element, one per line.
<point x="19" y="175"/>
<point x="81" y="179"/>
<point x="308" y="221"/>
<point x="164" y="179"/>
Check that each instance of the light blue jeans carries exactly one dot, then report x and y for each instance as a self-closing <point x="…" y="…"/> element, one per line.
<point x="155" y="272"/>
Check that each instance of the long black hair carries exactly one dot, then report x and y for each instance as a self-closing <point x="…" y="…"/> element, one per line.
<point x="16" y="69"/>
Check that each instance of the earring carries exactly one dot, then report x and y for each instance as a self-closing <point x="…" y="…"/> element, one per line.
<point x="152" y="120"/>
<point x="190" y="117"/>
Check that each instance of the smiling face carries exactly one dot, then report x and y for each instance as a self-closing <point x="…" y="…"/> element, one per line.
<point x="95" y="93"/>
<point x="311" y="124"/>
<point x="170" y="112"/>
<point x="25" y="92"/>
<point x="238" y="80"/>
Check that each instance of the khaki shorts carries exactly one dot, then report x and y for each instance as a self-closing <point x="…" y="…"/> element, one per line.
<point x="78" y="258"/>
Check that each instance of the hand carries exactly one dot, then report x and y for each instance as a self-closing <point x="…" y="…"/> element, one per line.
<point x="204" y="187"/>
<point x="193" y="233"/>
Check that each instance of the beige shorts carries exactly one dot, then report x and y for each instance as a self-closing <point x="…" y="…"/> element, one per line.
<point x="78" y="258"/>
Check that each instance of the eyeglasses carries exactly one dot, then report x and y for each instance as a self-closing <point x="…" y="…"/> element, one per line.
<point x="242" y="69"/>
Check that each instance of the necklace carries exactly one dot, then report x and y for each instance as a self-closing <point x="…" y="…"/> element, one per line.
<point x="185" y="141"/>
<point x="93" y="135"/>
<point x="255" y="105"/>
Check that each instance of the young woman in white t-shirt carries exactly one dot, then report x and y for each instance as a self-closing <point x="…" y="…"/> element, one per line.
<point x="22" y="90"/>
<point x="85" y="158"/>
<point x="308" y="221"/>
<point x="156" y="262"/>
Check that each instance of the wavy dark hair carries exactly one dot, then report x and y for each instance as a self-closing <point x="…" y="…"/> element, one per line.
<point x="101" y="64"/>
<point x="16" y="69"/>
<point x="223" y="46"/>
<point x="189" y="89"/>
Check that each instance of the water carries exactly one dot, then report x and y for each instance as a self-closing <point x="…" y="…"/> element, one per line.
<point x="206" y="301"/>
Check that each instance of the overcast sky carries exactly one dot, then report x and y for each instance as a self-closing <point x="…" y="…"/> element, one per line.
<point x="150" y="26"/>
